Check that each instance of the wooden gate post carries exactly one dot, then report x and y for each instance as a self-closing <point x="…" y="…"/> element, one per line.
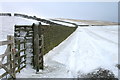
<point x="37" y="47"/>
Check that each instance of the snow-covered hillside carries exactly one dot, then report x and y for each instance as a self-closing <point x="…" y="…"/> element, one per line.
<point x="71" y="21"/>
<point x="87" y="49"/>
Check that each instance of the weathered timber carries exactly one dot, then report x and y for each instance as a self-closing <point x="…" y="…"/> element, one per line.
<point x="5" y="42"/>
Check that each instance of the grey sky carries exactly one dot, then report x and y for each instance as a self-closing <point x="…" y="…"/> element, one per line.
<point x="105" y="11"/>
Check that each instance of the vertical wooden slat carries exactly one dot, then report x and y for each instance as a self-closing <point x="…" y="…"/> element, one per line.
<point x="33" y="58"/>
<point x="14" y="64"/>
<point x="37" y="53"/>
<point x="9" y="50"/>
<point x="40" y="48"/>
<point x="13" y="57"/>
<point x="19" y="54"/>
<point x="42" y="51"/>
<point x="25" y="51"/>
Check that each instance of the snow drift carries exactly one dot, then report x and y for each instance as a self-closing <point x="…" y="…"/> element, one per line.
<point x="87" y="49"/>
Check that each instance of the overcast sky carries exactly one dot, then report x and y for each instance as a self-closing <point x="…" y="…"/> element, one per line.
<point x="105" y="11"/>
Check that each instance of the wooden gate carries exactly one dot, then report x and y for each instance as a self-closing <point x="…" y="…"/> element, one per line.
<point x="34" y="43"/>
<point x="12" y="61"/>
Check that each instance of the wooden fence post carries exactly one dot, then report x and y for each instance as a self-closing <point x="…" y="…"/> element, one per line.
<point x="11" y="56"/>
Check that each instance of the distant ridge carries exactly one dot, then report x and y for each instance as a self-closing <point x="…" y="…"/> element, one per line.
<point x="89" y="22"/>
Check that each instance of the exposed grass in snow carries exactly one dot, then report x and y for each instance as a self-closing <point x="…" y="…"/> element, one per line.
<point x="100" y="73"/>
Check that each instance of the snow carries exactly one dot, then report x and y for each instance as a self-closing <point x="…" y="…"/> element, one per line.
<point x="7" y="24"/>
<point x="76" y="22"/>
<point x="62" y="23"/>
<point x="85" y="50"/>
<point x="7" y="28"/>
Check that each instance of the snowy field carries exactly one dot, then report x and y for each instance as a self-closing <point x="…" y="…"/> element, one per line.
<point x="71" y="21"/>
<point x="85" y="50"/>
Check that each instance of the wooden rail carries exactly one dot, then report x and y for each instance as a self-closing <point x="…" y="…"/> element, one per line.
<point x="14" y="63"/>
<point x="6" y="42"/>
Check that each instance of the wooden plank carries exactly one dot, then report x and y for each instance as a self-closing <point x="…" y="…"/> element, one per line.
<point x="4" y="74"/>
<point x="6" y="42"/>
<point x="25" y="26"/>
<point x="22" y="42"/>
<point x="5" y="54"/>
<point x="6" y="51"/>
<point x="20" y="69"/>
<point x="8" y="57"/>
<point x="18" y="54"/>
<point x="30" y="32"/>
<point x="25" y="52"/>
<point x="13" y="70"/>
<point x="5" y="68"/>
<point x="14" y="60"/>
<point x="23" y="30"/>
<point x="42" y="51"/>
<point x="21" y="50"/>
<point x="29" y="36"/>
<point x="0" y="64"/>
<point x="25" y="36"/>
<point x="19" y="64"/>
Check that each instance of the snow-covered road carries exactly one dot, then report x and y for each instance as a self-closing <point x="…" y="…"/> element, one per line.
<point x="87" y="49"/>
